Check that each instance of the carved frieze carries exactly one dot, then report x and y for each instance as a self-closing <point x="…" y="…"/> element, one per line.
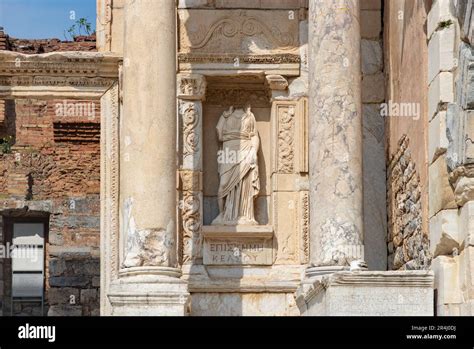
<point x="286" y="137"/>
<point x="238" y="59"/>
<point x="290" y="133"/>
<point x="304" y="227"/>
<point x="238" y="31"/>
<point x="67" y="64"/>
<point x="258" y="98"/>
<point x="51" y="81"/>
<point x="239" y="40"/>
<point x="57" y="74"/>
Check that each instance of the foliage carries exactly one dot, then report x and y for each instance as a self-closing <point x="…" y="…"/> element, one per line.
<point x="445" y="24"/>
<point x="80" y="27"/>
<point x="6" y="144"/>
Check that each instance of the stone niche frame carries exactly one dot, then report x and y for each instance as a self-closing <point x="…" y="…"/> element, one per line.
<point x="288" y="178"/>
<point x="233" y="43"/>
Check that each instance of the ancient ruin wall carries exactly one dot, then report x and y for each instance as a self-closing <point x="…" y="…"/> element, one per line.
<point x="407" y="175"/>
<point x="50" y="164"/>
<point x="54" y="165"/>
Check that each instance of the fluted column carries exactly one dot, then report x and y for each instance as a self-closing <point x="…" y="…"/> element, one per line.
<point x="336" y="217"/>
<point x="149" y="279"/>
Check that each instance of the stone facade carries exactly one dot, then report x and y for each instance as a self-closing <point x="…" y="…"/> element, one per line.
<point x="350" y="125"/>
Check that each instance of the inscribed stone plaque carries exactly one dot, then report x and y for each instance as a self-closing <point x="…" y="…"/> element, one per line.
<point x="233" y="246"/>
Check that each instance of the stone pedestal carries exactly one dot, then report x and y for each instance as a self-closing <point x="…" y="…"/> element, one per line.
<point x="390" y="293"/>
<point x="149" y="291"/>
<point x="335" y="133"/>
<point x="239" y="245"/>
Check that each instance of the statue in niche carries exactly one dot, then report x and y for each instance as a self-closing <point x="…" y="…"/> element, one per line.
<point x="238" y="167"/>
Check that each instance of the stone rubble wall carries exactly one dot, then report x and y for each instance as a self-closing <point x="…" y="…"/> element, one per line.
<point x="408" y="245"/>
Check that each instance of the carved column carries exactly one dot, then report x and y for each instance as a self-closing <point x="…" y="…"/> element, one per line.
<point x="191" y="90"/>
<point x="149" y="279"/>
<point x="335" y="131"/>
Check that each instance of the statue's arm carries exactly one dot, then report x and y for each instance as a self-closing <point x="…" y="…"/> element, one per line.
<point x="219" y="129"/>
<point x="255" y="139"/>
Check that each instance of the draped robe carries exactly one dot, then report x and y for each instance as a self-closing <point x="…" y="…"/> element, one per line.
<point x="239" y="178"/>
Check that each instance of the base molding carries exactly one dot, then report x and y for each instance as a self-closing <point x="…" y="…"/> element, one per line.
<point x="144" y="293"/>
<point x="368" y="293"/>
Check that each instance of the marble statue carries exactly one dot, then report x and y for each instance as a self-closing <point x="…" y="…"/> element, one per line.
<point x="238" y="167"/>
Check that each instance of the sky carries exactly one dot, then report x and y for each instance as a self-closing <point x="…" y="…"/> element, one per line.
<point x="41" y="19"/>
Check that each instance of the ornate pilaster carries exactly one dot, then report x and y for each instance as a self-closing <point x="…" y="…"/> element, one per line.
<point x="191" y="91"/>
<point x="335" y="133"/>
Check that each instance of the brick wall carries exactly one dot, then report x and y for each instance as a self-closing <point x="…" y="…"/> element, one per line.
<point x="3" y="40"/>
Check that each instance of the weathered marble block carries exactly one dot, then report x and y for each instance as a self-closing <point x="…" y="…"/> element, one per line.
<point x="369" y="293"/>
<point x="465" y="80"/>
<point x="464" y="10"/>
<point x="238" y="245"/>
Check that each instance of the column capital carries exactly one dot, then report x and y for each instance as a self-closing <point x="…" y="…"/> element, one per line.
<point x="276" y="82"/>
<point x="191" y="86"/>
